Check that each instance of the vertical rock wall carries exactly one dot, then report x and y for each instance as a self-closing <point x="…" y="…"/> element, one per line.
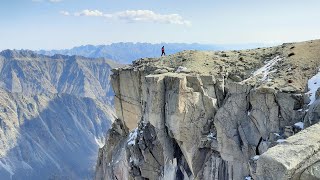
<point x="193" y="127"/>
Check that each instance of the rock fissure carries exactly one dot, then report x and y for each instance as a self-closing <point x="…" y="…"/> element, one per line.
<point x="126" y="97"/>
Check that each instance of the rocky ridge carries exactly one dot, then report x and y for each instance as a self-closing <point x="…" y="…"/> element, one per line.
<point x="215" y="115"/>
<point x="29" y="73"/>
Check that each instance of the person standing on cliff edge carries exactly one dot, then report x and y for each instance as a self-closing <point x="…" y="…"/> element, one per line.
<point x="163" y="53"/>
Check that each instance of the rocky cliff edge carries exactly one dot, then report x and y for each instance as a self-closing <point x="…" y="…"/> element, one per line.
<point x="216" y="115"/>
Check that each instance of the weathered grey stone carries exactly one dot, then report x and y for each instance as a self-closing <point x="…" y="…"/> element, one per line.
<point x="264" y="146"/>
<point x="160" y="71"/>
<point x="313" y="115"/>
<point x="289" y="89"/>
<point x="127" y="88"/>
<point x="199" y="127"/>
<point x="289" y="105"/>
<point x="288" y="131"/>
<point x="235" y="78"/>
<point x="112" y="163"/>
<point x="312" y="172"/>
<point x="264" y="112"/>
<point x="317" y="93"/>
<point x="290" y="159"/>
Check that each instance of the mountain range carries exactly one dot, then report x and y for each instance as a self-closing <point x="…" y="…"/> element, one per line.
<point x="54" y="113"/>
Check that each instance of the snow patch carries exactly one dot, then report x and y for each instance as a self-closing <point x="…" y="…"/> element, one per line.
<point x="248" y="178"/>
<point x="132" y="137"/>
<point x="281" y="141"/>
<point x="277" y="134"/>
<point x="255" y="158"/>
<point x="266" y="69"/>
<point x="135" y="161"/>
<point x="211" y="136"/>
<point x="299" y="124"/>
<point x="99" y="142"/>
<point x="181" y="69"/>
<point x="313" y="85"/>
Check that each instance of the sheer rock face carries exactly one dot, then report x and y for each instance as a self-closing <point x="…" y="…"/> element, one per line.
<point x="189" y="126"/>
<point x="218" y="115"/>
<point x="116" y="167"/>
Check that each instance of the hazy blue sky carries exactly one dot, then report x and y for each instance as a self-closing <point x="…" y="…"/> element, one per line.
<point x="47" y="24"/>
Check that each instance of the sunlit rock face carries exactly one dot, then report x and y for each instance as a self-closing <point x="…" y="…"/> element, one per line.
<point x="186" y="126"/>
<point x="179" y="119"/>
<point x="54" y="112"/>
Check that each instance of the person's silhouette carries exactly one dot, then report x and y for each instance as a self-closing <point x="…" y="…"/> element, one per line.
<point x="163" y="53"/>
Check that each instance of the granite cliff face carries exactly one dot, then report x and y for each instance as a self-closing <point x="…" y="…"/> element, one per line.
<point x="175" y="122"/>
<point x="54" y="112"/>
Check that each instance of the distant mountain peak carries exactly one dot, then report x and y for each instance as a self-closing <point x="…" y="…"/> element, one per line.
<point x="19" y="53"/>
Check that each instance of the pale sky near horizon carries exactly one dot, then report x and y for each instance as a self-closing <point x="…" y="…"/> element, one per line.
<point x="58" y="24"/>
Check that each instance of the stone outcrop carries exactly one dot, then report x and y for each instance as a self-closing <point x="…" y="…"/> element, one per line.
<point x="295" y="158"/>
<point x="186" y="126"/>
<point x="115" y="168"/>
<point x="313" y="115"/>
<point x="224" y="124"/>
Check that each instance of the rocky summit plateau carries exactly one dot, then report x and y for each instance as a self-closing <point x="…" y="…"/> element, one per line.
<point x="249" y="114"/>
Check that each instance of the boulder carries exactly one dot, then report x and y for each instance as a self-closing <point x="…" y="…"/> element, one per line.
<point x="292" y="158"/>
